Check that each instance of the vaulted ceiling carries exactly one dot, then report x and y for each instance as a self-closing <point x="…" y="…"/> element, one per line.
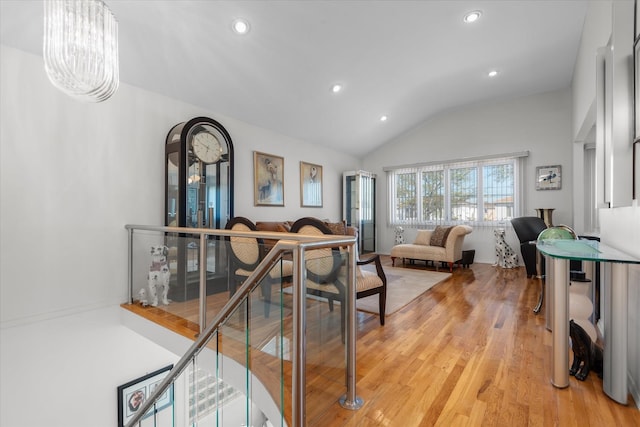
<point x="407" y="60"/>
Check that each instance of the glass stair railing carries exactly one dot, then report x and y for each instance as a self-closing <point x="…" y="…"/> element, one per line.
<point x="267" y="350"/>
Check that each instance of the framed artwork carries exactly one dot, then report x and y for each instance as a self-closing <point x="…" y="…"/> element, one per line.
<point x="310" y="185"/>
<point x="133" y="394"/>
<point x="549" y="177"/>
<point x="268" y="179"/>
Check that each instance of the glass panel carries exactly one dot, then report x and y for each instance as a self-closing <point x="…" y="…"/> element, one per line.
<point x="406" y="204"/>
<point x="463" y="183"/>
<point x="367" y="226"/>
<point x="172" y="189"/>
<point x="325" y="352"/>
<point x="166" y="276"/>
<point x="586" y="250"/>
<point x="433" y="195"/>
<point x="498" y="192"/>
<point x="351" y="194"/>
<point x="195" y="201"/>
<point x="250" y="359"/>
<point x="223" y="203"/>
<point x="270" y="345"/>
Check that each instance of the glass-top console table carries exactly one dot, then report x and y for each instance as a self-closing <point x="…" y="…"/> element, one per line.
<point x="615" y="310"/>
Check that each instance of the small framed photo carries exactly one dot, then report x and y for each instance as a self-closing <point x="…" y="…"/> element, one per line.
<point x="549" y="177"/>
<point x="310" y="185"/>
<point x="133" y="394"/>
<point x="268" y="178"/>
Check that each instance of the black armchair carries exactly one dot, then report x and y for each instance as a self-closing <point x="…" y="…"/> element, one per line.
<point x="527" y="229"/>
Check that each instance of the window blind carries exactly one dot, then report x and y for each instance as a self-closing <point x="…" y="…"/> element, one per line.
<point x="483" y="191"/>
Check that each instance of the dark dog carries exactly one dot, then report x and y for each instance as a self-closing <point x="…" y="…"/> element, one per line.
<point x="587" y="356"/>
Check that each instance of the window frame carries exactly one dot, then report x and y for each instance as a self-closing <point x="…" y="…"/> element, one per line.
<point x="515" y="160"/>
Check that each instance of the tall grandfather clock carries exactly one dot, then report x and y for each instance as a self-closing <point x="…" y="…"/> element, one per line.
<point x="198" y="194"/>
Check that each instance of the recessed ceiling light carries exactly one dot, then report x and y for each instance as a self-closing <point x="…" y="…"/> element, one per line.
<point x="240" y="26"/>
<point x="472" y="16"/>
<point x="492" y="73"/>
<point x="383" y="118"/>
<point x="336" y="88"/>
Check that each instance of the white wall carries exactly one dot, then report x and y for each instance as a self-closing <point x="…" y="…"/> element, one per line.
<point x="596" y="33"/>
<point x="65" y="372"/>
<point x="619" y="227"/>
<point x="73" y="174"/>
<point x="539" y="123"/>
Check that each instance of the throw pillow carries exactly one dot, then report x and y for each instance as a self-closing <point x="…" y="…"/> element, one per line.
<point x="423" y="237"/>
<point x="338" y="228"/>
<point x="439" y="236"/>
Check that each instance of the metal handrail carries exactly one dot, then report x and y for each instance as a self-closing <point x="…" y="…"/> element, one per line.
<point x="296" y="244"/>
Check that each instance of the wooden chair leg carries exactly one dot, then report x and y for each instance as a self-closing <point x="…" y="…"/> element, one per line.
<point x="383" y="303"/>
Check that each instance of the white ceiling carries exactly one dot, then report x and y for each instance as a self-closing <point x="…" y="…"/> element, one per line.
<point x="408" y="60"/>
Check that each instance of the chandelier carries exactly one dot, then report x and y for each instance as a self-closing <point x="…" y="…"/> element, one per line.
<point x="80" y="48"/>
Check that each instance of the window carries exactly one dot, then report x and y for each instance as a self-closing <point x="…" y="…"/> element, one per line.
<point x="478" y="192"/>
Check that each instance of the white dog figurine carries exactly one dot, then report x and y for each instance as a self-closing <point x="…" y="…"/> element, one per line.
<point x="142" y="297"/>
<point x="159" y="275"/>
<point x="399" y="235"/>
<point x="505" y="256"/>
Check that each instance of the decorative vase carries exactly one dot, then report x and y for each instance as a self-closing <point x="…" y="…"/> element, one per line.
<point x="545" y="214"/>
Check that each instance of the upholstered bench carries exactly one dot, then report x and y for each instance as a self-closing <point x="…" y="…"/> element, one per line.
<point x="443" y="244"/>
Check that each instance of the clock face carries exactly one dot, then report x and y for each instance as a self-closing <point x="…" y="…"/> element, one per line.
<point x="206" y="147"/>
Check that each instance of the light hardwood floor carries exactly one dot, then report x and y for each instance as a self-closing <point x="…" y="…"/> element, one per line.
<point x="469" y="352"/>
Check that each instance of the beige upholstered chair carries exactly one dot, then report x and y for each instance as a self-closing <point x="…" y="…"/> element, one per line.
<point x="325" y="265"/>
<point x="245" y="255"/>
<point x="371" y="283"/>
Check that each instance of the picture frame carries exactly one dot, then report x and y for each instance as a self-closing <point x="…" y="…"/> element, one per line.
<point x="310" y="185"/>
<point x="133" y="394"/>
<point x="549" y="177"/>
<point x="636" y="87"/>
<point x="268" y="179"/>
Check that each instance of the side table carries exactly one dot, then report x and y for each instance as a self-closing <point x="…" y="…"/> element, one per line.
<point x="615" y="294"/>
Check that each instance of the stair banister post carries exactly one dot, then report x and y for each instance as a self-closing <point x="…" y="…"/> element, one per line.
<point x="130" y="267"/>
<point x="298" y="415"/>
<point x="203" y="281"/>
<point x="350" y="400"/>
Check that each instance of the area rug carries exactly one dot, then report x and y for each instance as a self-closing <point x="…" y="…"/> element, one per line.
<point x="403" y="286"/>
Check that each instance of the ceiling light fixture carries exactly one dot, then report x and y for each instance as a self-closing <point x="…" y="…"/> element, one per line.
<point x="492" y="73"/>
<point x="472" y="16"/>
<point x="240" y="26"/>
<point x="80" y="48"/>
<point x="336" y="88"/>
<point x="383" y="118"/>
